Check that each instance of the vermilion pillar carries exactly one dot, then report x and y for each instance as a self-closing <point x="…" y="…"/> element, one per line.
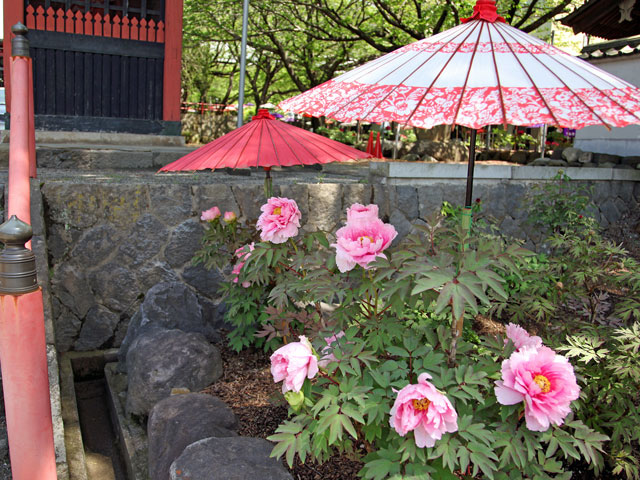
<point x="23" y="354"/>
<point x="172" y="60"/>
<point x="19" y="163"/>
<point x="13" y="13"/>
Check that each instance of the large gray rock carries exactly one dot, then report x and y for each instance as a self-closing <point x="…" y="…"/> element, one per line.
<point x="168" y="305"/>
<point x="239" y="458"/>
<point x="161" y="360"/>
<point x="97" y="329"/>
<point x="327" y="207"/>
<point x="180" y="420"/>
<point x="571" y="154"/>
<point x="70" y="287"/>
<point x="205" y="282"/>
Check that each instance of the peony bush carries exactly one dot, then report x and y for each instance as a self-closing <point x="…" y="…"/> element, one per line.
<point x="412" y="396"/>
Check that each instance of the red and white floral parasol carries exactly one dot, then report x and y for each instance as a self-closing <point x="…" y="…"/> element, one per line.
<point x="482" y="72"/>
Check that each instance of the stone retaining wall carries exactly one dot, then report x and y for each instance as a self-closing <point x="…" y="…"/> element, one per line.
<point x="108" y="243"/>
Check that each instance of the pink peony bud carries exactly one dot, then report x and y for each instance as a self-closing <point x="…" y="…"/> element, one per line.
<point x="327" y="352"/>
<point x="279" y="221"/>
<point x="242" y="256"/>
<point x="229" y="217"/>
<point x="360" y="242"/>
<point x="210" y="215"/>
<point x="426" y="411"/>
<point x="293" y="363"/>
<point x="544" y="381"/>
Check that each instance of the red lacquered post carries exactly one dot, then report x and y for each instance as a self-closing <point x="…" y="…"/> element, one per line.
<point x="19" y="195"/>
<point x="23" y="357"/>
<point x="32" y="125"/>
<point x="23" y="354"/>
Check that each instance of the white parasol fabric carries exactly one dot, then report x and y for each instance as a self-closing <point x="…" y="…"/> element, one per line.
<point x="482" y="72"/>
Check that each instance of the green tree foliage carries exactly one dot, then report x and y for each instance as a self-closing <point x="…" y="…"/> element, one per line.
<point x="296" y="45"/>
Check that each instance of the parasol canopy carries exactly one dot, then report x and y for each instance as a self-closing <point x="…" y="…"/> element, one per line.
<point x="482" y="72"/>
<point x="266" y="142"/>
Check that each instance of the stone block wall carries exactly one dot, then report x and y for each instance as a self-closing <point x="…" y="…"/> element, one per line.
<point x="108" y="243"/>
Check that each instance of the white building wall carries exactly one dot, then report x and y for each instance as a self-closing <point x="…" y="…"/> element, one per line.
<point x="619" y="141"/>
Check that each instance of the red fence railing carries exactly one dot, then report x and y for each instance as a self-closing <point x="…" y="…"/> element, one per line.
<point x="89" y="24"/>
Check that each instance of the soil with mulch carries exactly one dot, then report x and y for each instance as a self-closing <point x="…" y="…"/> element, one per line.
<point x="247" y="387"/>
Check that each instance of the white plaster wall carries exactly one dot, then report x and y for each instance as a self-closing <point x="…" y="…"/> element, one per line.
<point x="619" y="141"/>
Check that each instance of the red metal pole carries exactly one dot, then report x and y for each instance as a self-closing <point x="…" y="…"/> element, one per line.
<point x="19" y="194"/>
<point x="26" y="387"/>
<point x="23" y="355"/>
<point x="32" y="125"/>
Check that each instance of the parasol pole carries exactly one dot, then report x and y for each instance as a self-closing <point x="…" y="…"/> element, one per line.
<point x="243" y="60"/>
<point x="466" y="212"/>
<point x="395" y="143"/>
<point x="268" y="183"/>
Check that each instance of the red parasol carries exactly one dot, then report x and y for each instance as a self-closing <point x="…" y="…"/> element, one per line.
<point x="266" y="142"/>
<point x="483" y="72"/>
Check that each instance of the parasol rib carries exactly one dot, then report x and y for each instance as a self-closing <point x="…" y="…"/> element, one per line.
<point x="466" y="80"/>
<point x="473" y="26"/>
<point x="544" y="100"/>
<point x="391" y="58"/>
<point x="495" y="66"/>
<point x="556" y="76"/>
<point x="582" y="77"/>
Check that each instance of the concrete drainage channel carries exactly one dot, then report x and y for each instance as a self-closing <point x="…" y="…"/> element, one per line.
<point x="100" y="444"/>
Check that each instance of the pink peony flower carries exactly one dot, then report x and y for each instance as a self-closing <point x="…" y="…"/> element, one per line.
<point x="242" y="256"/>
<point x="211" y="214"/>
<point x="360" y="212"/>
<point x="544" y="381"/>
<point x="521" y="338"/>
<point x="426" y="411"/>
<point x="292" y="363"/>
<point x="229" y="217"/>
<point x="361" y="242"/>
<point x="327" y="352"/>
<point x="280" y="220"/>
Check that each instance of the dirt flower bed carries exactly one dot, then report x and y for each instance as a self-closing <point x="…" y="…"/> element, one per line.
<point x="248" y="388"/>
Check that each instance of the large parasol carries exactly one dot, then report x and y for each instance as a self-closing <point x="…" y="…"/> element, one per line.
<point x="266" y="142"/>
<point x="482" y="72"/>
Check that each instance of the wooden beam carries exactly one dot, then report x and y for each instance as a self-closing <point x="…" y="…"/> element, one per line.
<point x="172" y="60"/>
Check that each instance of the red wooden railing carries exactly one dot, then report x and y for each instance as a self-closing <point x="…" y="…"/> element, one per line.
<point x="96" y="25"/>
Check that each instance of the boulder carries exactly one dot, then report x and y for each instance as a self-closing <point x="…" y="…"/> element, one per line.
<point x="237" y="458"/>
<point x="585" y="157"/>
<point x="160" y="360"/>
<point x="168" y="305"/>
<point x="571" y="154"/>
<point x="98" y="328"/>
<point x="180" y="420"/>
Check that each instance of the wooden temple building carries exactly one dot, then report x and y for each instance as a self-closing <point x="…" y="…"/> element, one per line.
<point x="101" y="65"/>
